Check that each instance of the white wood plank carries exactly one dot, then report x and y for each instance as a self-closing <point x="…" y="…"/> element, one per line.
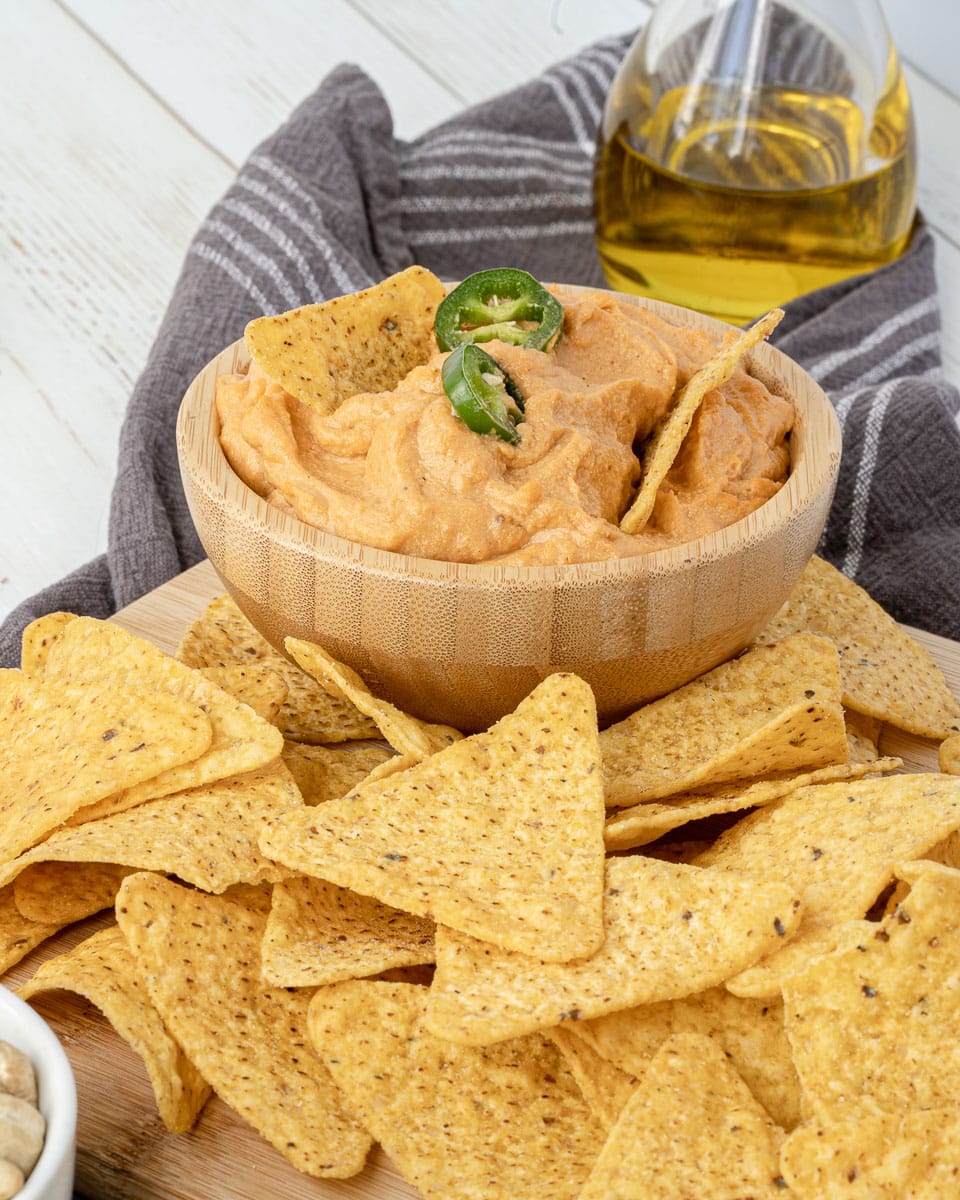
<point x="480" y="50"/>
<point x="948" y="280"/>
<point x="53" y="496"/>
<point x="927" y="35"/>
<point x="234" y="71"/>
<point x="100" y="192"/>
<point x="937" y="116"/>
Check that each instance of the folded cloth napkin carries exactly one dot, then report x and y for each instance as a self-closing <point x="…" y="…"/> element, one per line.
<point x="332" y="202"/>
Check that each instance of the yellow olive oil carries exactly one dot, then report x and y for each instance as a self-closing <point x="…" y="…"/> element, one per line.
<point x="735" y="214"/>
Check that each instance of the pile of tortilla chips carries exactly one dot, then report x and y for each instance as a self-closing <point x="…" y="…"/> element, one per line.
<point x="711" y="950"/>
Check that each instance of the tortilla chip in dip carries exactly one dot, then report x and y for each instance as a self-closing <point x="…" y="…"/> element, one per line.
<point x="361" y="342"/>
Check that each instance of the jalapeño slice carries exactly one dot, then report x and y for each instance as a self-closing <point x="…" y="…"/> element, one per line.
<point x="505" y="303"/>
<point x="481" y="392"/>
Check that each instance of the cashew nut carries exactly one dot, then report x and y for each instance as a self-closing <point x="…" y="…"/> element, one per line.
<point x="21" y="1132"/>
<point x="17" y="1077"/>
<point x="22" y="1127"/>
<point x="11" y="1179"/>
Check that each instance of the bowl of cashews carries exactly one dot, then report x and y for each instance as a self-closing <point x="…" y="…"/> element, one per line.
<point x="38" y="1107"/>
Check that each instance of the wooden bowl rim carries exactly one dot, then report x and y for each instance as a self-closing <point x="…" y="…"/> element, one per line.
<point x="806" y="481"/>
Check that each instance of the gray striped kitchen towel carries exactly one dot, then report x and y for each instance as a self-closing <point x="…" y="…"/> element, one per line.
<point x="332" y="202"/>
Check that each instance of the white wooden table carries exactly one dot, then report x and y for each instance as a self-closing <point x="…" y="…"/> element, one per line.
<point x="123" y="123"/>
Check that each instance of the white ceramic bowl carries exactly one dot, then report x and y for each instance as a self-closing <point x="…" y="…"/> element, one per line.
<point x="52" y="1177"/>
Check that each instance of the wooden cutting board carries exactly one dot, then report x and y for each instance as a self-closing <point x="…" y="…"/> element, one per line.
<point x="124" y="1151"/>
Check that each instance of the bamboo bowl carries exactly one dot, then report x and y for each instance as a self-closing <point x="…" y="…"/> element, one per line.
<point x="464" y="643"/>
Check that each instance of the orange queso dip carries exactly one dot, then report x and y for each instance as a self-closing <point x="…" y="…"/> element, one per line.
<point x="399" y="470"/>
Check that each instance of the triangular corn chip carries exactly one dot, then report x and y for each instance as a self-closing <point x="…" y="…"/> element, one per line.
<point x="19" y="934"/>
<point x="61" y="893"/>
<point x="769" y="710"/>
<point x="248" y="1041"/>
<point x="457" y="1121"/>
<point x="64" y="745"/>
<point x="838" y="844"/>
<point x="366" y="341"/>
<point x="644" y="823"/>
<point x="206" y="836"/>
<point x="671" y="930"/>
<point x="318" y="933"/>
<point x="750" y="1032"/>
<point x="89" y="652"/>
<point x="408" y="735"/>
<point x="260" y="688"/>
<point x="222" y="636"/>
<point x="37" y="639"/>
<point x="500" y="835"/>
<point x="664" y="443"/>
<point x="885" y="673"/>
<point x="886" y="1156"/>
<point x="602" y="1084"/>
<point x="328" y="772"/>
<point x="691" y="1128"/>
<point x="104" y="971"/>
<point x="852" y="1014"/>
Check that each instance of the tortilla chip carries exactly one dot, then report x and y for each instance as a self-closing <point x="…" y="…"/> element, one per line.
<point x="58" y="893"/>
<point x="946" y="852"/>
<point x="206" y="836"/>
<point x="104" y="971"/>
<point x="18" y="934"/>
<point x="406" y="734"/>
<point x="260" y="688"/>
<point x="329" y="772"/>
<point x="691" y="1128"/>
<point x="222" y="636"/>
<point x="948" y="756"/>
<point x="500" y="834"/>
<point x="769" y="710"/>
<point x="873" y="1026"/>
<point x="685" y="850"/>
<point x="750" y="1032"/>
<point x="421" y="975"/>
<point x="671" y="930"/>
<point x="885" y="672"/>
<point x="456" y="1121"/>
<point x="366" y="341"/>
<point x="886" y="1156"/>
<point x="318" y="933"/>
<point x="863" y="735"/>
<point x="837" y="844"/>
<point x="65" y="746"/>
<point x="248" y="1041"/>
<point x="602" y="1084"/>
<point x="37" y="638"/>
<point x="645" y="823"/>
<point x="391" y="766"/>
<point x="664" y="443"/>
<point x="87" y="651"/>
